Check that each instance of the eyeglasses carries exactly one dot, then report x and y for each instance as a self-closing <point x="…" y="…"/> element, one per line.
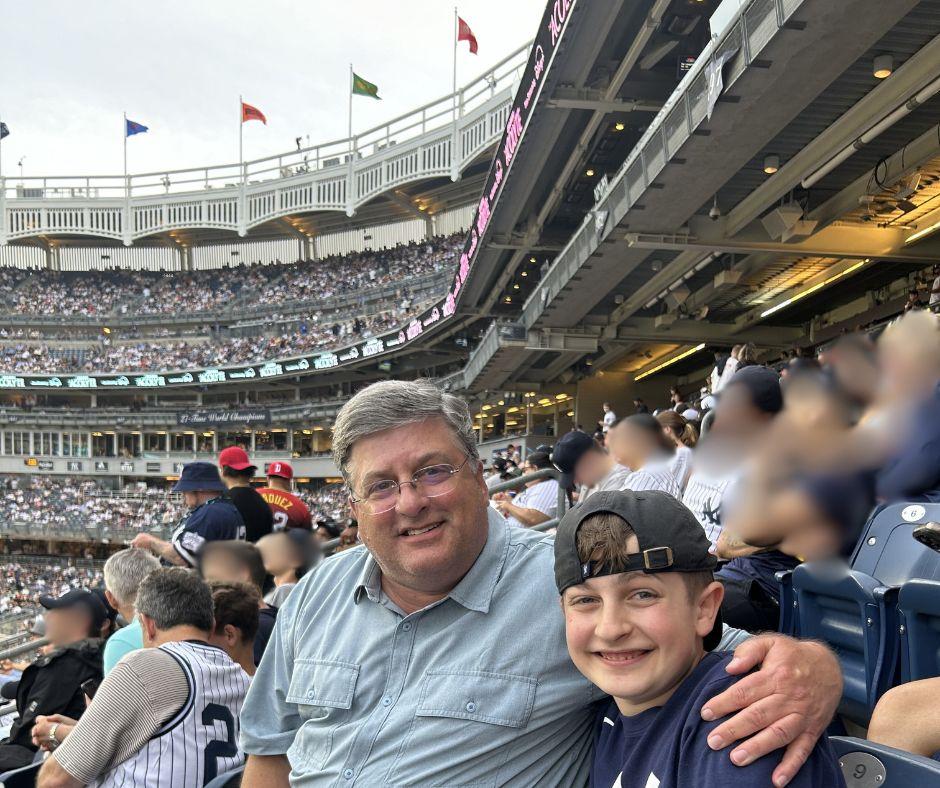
<point x="430" y="482"/>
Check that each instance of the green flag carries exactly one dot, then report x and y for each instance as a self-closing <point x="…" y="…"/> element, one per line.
<point x="362" y="87"/>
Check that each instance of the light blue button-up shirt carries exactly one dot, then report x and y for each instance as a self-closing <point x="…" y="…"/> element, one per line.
<point x="474" y="690"/>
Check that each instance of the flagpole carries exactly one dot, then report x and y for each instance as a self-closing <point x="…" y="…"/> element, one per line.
<point x="351" y="82"/>
<point x="124" y="130"/>
<point x="1" y="153"/>
<point x="456" y="33"/>
<point x="241" y="123"/>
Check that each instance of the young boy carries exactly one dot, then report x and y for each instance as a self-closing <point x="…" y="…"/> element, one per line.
<point x="641" y="616"/>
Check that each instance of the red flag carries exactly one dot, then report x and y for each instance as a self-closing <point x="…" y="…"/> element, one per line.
<point x="252" y="113"/>
<point x="464" y="33"/>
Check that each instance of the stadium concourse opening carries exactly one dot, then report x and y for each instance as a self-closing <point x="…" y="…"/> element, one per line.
<point x="662" y="277"/>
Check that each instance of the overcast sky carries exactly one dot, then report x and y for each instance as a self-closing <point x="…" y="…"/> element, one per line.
<point x="69" y="70"/>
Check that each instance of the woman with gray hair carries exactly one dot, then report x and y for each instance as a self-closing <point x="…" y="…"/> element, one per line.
<point x="123" y="573"/>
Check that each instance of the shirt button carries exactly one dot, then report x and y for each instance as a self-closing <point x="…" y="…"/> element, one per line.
<point x="348" y="773"/>
<point x="471" y="707"/>
<point x="310" y="693"/>
<point x="386" y="701"/>
<point x="406" y="626"/>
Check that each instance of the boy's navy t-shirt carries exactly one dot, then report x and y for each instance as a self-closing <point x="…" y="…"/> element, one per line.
<point x="666" y="747"/>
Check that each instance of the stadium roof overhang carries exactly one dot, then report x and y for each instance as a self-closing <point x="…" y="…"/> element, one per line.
<point x="791" y="252"/>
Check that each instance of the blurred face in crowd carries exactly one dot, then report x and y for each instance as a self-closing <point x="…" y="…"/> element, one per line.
<point x="856" y="372"/>
<point x="422" y="544"/>
<point x="909" y="356"/>
<point x="591" y="467"/>
<point x="628" y="445"/>
<point x="67" y="625"/>
<point x="637" y="635"/>
<point x="194" y="498"/>
<point x="278" y="553"/>
<point x="218" y="565"/>
<point x="737" y="416"/>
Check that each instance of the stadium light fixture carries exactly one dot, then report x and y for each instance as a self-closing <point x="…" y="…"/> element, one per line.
<point x="771" y="163"/>
<point x="619" y="127"/>
<point x="670" y="362"/>
<point x="882" y="67"/>
<point x="508" y="299"/>
<point x="814" y="288"/>
<point x="923" y="233"/>
<point x="589" y="172"/>
<point x="525" y="273"/>
<point x="531" y="259"/>
<point x="515" y="286"/>
<point x="487" y="407"/>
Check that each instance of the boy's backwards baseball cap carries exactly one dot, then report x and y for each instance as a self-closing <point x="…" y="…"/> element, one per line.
<point x="669" y="537"/>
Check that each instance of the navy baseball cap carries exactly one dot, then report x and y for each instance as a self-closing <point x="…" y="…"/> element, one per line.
<point x="199" y="476"/>
<point x="669" y="537"/>
<point x="78" y="597"/>
<point x="570" y="448"/>
<point x="763" y="387"/>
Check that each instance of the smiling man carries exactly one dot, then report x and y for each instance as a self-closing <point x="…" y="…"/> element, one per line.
<point x="433" y="653"/>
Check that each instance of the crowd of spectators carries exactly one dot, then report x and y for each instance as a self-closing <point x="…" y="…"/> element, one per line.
<point x="122" y="293"/>
<point x="24" y="581"/>
<point x="312" y="335"/>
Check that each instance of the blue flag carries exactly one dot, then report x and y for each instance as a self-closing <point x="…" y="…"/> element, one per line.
<point x="4" y="131"/>
<point x="135" y="128"/>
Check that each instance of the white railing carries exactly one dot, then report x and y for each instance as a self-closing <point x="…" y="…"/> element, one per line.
<point x="438" y="139"/>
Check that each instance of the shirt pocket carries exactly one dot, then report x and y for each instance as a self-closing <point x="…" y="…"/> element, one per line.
<point x="478" y="714"/>
<point x="323" y="691"/>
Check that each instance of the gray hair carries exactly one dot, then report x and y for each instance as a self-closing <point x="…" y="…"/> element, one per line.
<point x="125" y="570"/>
<point x="175" y="597"/>
<point x="396" y="403"/>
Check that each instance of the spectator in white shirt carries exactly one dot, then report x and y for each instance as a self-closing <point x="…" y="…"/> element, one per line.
<point x="587" y="465"/>
<point x="537" y="503"/>
<point x="684" y="436"/>
<point x="609" y="417"/>
<point x="638" y="442"/>
<point x="730" y="367"/>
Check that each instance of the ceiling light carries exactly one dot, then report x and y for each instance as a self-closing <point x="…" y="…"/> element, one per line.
<point x="515" y="287"/>
<point x="589" y="173"/>
<point x="882" y="67"/>
<point x="501" y="402"/>
<point x="487" y="407"/>
<point x="525" y="273"/>
<point x="815" y="287"/>
<point x="921" y="233"/>
<point x="619" y="127"/>
<point x="771" y="163"/>
<point x="670" y="362"/>
<point x="508" y="299"/>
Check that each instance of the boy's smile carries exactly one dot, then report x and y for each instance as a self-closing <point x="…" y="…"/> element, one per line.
<point x="637" y="635"/>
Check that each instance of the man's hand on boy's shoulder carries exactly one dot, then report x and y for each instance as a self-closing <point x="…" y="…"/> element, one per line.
<point x="788" y="702"/>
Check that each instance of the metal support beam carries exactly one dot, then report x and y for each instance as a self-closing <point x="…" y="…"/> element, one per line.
<point x="695" y="331"/>
<point x="597" y="100"/>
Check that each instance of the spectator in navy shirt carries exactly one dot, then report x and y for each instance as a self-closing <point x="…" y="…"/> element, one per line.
<point x="211" y="518"/>
<point x="641" y="611"/>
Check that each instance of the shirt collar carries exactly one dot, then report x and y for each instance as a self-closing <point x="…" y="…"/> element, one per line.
<point x="475" y="590"/>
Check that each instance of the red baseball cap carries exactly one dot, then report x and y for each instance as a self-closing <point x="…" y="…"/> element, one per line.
<point x="281" y="469"/>
<point x="236" y="458"/>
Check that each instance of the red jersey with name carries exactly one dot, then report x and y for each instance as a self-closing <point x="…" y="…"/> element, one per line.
<point x="288" y="510"/>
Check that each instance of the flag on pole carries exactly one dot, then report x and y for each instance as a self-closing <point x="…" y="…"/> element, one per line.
<point x="131" y="128"/>
<point x="464" y="33"/>
<point x="4" y="131"/>
<point x="252" y="113"/>
<point x="362" y="87"/>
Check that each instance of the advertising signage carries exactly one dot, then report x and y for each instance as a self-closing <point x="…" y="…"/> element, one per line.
<point x="551" y="31"/>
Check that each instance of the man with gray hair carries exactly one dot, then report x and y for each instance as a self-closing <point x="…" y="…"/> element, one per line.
<point x="434" y="653"/>
<point x="167" y="714"/>
<point x="123" y="573"/>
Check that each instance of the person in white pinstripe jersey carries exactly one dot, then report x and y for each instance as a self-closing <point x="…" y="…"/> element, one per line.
<point x="167" y="715"/>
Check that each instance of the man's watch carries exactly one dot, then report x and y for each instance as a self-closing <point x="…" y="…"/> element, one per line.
<point x="52" y="739"/>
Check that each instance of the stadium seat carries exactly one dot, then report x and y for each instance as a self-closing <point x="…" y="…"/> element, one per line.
<point x="865" y="764"/>
<point x="888" y="552"/>
<point x="787" y="624"/>
<point x="919" y="608"/>
<point x="858" y="618"/>
<point x="24" y="777"/>
<point x="231" y="779"/>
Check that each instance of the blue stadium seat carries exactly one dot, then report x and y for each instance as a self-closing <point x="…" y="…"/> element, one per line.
<point x="888" y="552"/>
<point x="24" y="777"/>
<point x="231" y="779"/>
<point x="858" y="618"/>
<point x="787" y="625"/>
<point x="866" y="764"/>
<point x="919" y="607"/>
